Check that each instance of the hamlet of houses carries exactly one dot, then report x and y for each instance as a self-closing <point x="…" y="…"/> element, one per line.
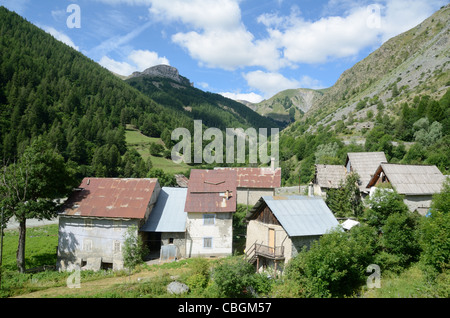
<point x="195" y="218"/>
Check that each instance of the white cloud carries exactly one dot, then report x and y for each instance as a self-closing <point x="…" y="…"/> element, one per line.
<point x="137" y="60"/>
<point x="60" y="36"/>
<point x="249" y="97"/>
<point x="269" y="83"/>
<point x="121" y="68"/>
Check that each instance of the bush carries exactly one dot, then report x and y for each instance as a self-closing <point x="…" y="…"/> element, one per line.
<point x="335" y="265"/>
<point x="232" y="276"/>
<point x="134" y="249"/>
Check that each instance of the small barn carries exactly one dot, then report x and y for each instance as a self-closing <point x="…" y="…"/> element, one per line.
<point x="417" y="183"/>
<point x="253" y="183"/>
<point x="328" y="177"/>
<point x="96" y="217"/>
<point x="364" y="164"/>
<point x="280" y="226"/>
<point x="164" y="231"/>
<point x="210" y="204"/>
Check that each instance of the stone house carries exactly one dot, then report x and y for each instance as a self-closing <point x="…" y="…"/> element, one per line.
<point x="210" y="204"/>
<point x="364" y="164"/>
<point x="280" y="226"/>
<point x="96" y="217"/>
<point x="328" y="177"/>
<point x="253" y="183"/>
<point x="417" y="183"/>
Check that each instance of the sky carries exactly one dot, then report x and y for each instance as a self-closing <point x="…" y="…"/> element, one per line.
<point x="242" y="49"/>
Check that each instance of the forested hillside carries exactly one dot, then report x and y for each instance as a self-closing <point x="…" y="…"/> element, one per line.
<point x="214" y="109"/>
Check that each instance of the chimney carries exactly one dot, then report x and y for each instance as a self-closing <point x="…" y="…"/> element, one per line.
<point x="272" y="163"/>
<point x="310" y="190"/>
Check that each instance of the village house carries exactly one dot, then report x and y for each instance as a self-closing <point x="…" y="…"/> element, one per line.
<point x="280" y="226"/>
<point x="253" y="183"/>
<point x="165" y="230"/>
<point x="364" y="164"/>
<point x="328" y="177"/>
<point x="210" y="204"/>
<point x="96" y="218"/>
<point x="417" y="183"/>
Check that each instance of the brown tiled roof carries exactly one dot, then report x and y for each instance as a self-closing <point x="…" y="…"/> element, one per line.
<point x="111" y="197"/>
<point x="211" y="191"/>
<point x="257" y="177"/>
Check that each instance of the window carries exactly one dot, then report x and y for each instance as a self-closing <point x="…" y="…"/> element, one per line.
<point x="87" y="245"/>
<point x="116" y="247"/>
<point x="207" y="242"/>
<point x="209" y="219"/>
<point x="170" y="240"/>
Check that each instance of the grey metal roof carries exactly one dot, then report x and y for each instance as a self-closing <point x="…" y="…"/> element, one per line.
<point x="302" y="215"/>
<point x="168" y="213"/>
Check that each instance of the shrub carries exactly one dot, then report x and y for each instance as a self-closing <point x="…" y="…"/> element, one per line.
<point x="134" y="249"/>
<point x="232" y="276"/>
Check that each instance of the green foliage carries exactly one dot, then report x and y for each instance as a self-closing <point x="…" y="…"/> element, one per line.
<point x="134" y="249"/>
<point x="382" y="204"/>
<point x="232" y="276"/>
<point x="335" y="265"/>
<point x="346" y="200"/>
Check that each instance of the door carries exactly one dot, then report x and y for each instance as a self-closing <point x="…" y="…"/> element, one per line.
<point x="272" y="240"/>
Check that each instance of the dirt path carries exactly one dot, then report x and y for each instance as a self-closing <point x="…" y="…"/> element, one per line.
<point x="90" y="288"/>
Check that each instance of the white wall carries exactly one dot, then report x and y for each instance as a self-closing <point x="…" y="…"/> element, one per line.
<point x="221" y="233"/>
<point x="102" y="241"/>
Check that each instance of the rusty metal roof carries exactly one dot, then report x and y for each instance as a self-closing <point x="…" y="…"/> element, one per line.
<point x="211" y="191"/>
<point x="111" y="197"/>
<point x="257" y="177"/>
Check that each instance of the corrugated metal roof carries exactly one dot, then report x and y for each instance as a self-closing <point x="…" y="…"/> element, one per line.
<point x="411" y="179"/>
<point x="168" y="214"/>
<point x="330" y="176"/>
<point x="208" y="189"/>
<point x="111" y="197"/>
<point x="302" y="215"/>
<point x="265" y="177"/>
<point x="365" y="164"/>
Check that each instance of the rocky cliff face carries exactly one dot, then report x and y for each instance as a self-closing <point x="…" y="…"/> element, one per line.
<point x="164" y="71"/>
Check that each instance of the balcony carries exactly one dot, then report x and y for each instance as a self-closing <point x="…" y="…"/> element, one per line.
<point x="256" y="250"/>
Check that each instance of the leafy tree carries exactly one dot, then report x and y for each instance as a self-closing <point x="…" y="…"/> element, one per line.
<point x="29" y="187"/>
<point x="335" y="265"/>
<point x="232" y="276"/>
<point x="346" y="200"/>
<point x="382" y="204"/>
<point x="134" y="250"/>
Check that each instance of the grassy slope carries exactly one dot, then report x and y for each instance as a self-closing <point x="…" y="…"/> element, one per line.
<point x="135" y="139"/>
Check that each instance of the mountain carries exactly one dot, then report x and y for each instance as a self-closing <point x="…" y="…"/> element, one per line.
<point x="396" y="100"/>
<point x="415" y="62"/>
<point x="164" y="84"/>
<point x="49" y="90"/>
<point x="163" y="71"/>
<point x="288" y="105"/>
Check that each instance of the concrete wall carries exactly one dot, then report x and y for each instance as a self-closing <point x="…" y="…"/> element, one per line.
<point x="221" y="234"/>
<point x="89" y="242"/>
<point x="250" y="196"/>
<point x="421" y="203"/>
<point x="259" y="232"/>
<point x="178" y="240"/>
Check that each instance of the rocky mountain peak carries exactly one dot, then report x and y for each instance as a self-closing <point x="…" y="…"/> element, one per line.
<point x="164" y="71"/>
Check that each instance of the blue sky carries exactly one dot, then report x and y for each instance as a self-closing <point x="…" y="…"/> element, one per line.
<point x="243" y="49"/>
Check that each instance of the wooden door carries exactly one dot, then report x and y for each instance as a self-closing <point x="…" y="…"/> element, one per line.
<point x="272" y="240"/>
